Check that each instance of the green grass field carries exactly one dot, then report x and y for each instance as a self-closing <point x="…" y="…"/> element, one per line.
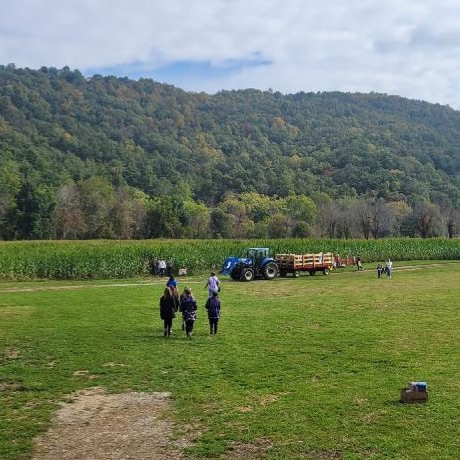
<point x="312" y="365"/>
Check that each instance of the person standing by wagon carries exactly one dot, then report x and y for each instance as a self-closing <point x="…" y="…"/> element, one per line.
<point x="188" y="308"/>
<point x="213" y="307"/>
<point x="213" y="284"/>
<point x="167" y="311"/>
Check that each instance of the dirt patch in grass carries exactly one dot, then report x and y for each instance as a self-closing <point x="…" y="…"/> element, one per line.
<point x="255" y="450"/>
<point x="93" y="424"/>
<point x="10" y="353"/>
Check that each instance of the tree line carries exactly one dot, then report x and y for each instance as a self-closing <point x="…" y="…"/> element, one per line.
<point x="107" y="157"/>
<point x="95" y="209"/>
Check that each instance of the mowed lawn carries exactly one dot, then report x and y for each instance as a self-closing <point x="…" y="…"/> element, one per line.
<point x="308" y="368"/>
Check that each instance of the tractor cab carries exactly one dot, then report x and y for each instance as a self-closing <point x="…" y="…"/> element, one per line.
<point x="255" y="256"/>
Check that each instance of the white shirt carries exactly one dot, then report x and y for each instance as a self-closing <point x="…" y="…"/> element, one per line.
<point x="213" y="283"/>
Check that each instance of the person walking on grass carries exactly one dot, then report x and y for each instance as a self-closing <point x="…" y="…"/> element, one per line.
<point x="188" y="308"/>
<point x="389" y="267"/>
<point x="213" y="284"/>
<point x="213" y="307"/>
<point x="167" y="311"/>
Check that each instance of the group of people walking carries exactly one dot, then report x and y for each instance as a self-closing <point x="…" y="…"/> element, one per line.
<point x="385" y="269"/>
<point x="171" y="303"/>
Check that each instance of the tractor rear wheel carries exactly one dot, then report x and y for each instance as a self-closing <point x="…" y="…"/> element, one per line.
<point x="247" y="274"/>
<point x="270" y="271"/>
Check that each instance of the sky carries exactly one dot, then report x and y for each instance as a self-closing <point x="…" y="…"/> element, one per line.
<point x="409" y="48"/>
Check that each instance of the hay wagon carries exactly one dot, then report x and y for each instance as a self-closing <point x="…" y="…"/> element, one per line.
<point x="294" y="264"/>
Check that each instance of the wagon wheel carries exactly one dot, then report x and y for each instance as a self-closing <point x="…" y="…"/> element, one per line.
<point x="296" y="273"/>
<point x="326" y="271"/>
<point x="312" y="272"/>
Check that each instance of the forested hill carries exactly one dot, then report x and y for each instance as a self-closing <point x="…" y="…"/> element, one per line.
<point x="59" y="128"/>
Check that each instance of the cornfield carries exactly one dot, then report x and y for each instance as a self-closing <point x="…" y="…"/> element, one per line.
<point x="103" y="259"/>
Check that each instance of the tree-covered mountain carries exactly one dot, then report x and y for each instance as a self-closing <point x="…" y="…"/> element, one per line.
<point x="68" y="142"/>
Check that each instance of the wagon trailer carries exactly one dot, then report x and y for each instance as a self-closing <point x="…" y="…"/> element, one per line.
<point x="294" y="264"/>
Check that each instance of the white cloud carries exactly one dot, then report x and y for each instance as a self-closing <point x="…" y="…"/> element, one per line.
<point x="396" y="47"/>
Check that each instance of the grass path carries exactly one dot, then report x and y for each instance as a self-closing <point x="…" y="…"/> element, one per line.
<point x="301" y="368"/>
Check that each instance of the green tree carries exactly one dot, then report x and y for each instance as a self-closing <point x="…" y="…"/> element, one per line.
<point x="10" y="185"/>
<point x="129" y="213"/>
<point x="68" y="217"/>
<point x="97" y="198"/>
<point x="198" y="221"/>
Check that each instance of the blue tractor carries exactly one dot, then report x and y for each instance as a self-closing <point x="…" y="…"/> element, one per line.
<point x="256" y="264"/>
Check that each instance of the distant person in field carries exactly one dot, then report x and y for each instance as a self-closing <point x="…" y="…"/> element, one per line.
<point x="188" y="308"/>
<point x="359" y="264"/>
<point x="169" y="267"/>
<point x="152" y="265"/>
<point x="379" y="270"/>
<point x="338" y="261"/>
<point x="213" y="307"/>
<point x="213" y="284"/>
<point x="161" y="267"/>
<point x="389" y="267"/>
<point x="167" y="310"/>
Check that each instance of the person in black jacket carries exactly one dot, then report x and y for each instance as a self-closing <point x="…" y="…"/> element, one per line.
<point x="167" y="310"/>
<point x="213" y="307"/>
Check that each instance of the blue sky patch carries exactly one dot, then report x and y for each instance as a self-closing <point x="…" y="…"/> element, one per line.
<point x="176" y="72"/>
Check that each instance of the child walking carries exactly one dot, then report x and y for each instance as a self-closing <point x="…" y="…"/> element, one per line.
<point x="188" y="308"/>
<point x="213" y="307"/>
<point x="167" y="311"/>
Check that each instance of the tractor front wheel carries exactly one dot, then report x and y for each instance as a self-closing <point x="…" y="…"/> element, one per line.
<point x="235" y="274"/>
<point x="247" y="274"/>
<point x="270" y="271"/>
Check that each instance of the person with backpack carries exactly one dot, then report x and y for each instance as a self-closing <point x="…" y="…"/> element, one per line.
<point x="188" y="308"/>
<point x="213" y="307"/>
<point x="167" y="311"/>
<point x="213" y="284"/>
